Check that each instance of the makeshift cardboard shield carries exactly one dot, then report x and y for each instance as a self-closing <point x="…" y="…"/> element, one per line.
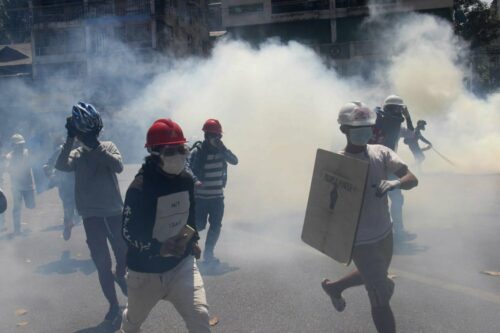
<point x="3" y="202"/>
<point x="334" y="205"/>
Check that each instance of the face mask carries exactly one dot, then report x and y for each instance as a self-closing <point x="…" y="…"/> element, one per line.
<point x="360" y="136"/>
<point x="173" y="164"/>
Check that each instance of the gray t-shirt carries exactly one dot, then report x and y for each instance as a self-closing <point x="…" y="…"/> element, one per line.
<point x="375" y="220"/>
<point x="97" y="193"/>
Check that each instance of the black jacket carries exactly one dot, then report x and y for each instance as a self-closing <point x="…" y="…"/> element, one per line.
<point x="139" y="215"/>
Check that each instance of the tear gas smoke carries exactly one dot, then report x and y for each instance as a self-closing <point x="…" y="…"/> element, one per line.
<point x="279" y="103"/>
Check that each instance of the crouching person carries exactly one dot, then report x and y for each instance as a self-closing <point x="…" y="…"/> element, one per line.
<point x="160" y="200"/>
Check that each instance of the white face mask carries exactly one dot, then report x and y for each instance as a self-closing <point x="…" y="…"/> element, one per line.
<point x="173" y="164"/>
<point x="360" y="136"/>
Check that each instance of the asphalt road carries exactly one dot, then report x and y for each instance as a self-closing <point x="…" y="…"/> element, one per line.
<point x="269" y="280"/>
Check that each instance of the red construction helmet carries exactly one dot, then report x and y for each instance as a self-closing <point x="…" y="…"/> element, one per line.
<point x="164" y="132"/>
<point x="212" y="126"/>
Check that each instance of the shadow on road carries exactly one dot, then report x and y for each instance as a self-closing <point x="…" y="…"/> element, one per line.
<point x="104" y="327"/>
<point x="67" y="265"/>
<point x="215" y="269"/>
<point x="57" y="227"/>
<point x="408" y="249"/>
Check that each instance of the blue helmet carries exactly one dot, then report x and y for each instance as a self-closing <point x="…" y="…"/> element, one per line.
<point x="86" y="119"/>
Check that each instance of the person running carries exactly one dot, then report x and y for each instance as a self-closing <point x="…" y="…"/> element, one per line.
<point x="161" y="260"/>
<point x="411" y="138"/>
<point x="21" y="180"/>
<point x="387" y="132"/>
<point x="373" y="249"/>
<point x="97" y="196"/>
<point x="208" y="163"/>
<point x="65" y="183"/>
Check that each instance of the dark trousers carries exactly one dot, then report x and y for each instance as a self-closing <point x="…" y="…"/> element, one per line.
<point x="98" y="231"/>
<point x="211" y="211"/>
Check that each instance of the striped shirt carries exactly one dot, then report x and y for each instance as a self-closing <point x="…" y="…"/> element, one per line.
<point x="209" y="166"/>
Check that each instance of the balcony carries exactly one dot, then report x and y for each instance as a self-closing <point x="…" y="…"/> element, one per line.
<point x="58" y="13"/>
<point x="291" y="6"/>
<point x="359" y="3"/>
<point x="77" y="11"/>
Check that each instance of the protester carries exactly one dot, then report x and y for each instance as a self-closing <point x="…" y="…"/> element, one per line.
<point x="161" y="261"/>
<point x="21" y="179"/>
<point x="97" y="196"/>
<point x="373" y="250"/>
<point x="65" y="183"/>
<point x="411" y="138"/>
<point x="387" y="132"/>
<point x="208" y="163"/>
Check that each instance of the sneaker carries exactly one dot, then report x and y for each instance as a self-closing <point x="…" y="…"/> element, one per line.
<point x="338" y="302"/>
<point x="122" y="283"/>
<point x="404" y="236"/>
<point x="114" y="315"/>
<point x="211" y="260"/>
<point x="67" y="231"/>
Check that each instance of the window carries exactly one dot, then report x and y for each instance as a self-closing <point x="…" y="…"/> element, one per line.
<point x="245" y="9"/>
<point x="51" y="42"/>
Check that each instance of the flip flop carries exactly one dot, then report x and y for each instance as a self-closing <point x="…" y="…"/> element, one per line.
<point x="337" y="302"/>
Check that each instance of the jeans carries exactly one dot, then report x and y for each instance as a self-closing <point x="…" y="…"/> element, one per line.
<point x="98" y="231"/>
<point x="211" y="211"/>
<point x="18" y="197"/>
<point x="182" y="286"/>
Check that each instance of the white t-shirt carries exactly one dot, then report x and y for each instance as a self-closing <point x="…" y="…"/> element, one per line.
<point x="375" y="221"/>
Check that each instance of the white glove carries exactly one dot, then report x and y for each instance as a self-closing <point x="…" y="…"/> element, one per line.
<point x="386" y="186"/>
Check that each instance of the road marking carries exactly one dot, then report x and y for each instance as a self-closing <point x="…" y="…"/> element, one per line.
<point x="468" y="291"/>
<point x="433" y="282"/>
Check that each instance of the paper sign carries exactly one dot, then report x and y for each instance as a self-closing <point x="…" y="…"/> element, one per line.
<point x="172" y="213"/>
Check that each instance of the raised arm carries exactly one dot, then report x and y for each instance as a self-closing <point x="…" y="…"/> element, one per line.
<point x="65" y="162"/>
<point x="110" y="156"/>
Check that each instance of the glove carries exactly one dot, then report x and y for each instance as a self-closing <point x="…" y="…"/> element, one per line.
<point x="406" y="113"/>
<point x="90" y="140"/>
<point x="70" y="128"/>
<point x="386" y="186"/>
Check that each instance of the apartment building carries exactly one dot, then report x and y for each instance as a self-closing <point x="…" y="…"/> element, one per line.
<point x="335" y="28"/>
<point x="66" y="33"/>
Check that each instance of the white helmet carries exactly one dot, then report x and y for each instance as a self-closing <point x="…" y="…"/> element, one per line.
<point x="17" y="139"/>
<point x="356" y="114"/>
<point x="394" y="100"/>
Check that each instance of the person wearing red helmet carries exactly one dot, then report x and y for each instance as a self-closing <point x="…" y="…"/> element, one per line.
<point x="208" y="163"/>
<point x="160" y="230"/>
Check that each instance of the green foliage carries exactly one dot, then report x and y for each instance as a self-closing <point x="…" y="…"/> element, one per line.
<point x="475" y="22"/>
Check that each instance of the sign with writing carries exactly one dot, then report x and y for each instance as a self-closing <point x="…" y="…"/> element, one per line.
<point x="334" y="205"/>
<point x="172" y="212"/>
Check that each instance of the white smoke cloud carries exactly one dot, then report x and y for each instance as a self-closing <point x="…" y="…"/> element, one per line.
<point x="279" y="104"/>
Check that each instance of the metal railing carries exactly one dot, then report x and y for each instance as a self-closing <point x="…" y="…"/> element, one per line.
<point x="70" y="12"/>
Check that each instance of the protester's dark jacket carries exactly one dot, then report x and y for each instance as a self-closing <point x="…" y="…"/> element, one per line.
<point x="139" y="216"/>
<point x="387" y="128"/>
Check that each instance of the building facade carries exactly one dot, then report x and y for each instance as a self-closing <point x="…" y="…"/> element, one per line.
<point x="66" y="33"/>
<point x="335" y="28"/>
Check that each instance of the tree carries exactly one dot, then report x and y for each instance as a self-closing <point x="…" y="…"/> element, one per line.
<point x="475" y="21"/>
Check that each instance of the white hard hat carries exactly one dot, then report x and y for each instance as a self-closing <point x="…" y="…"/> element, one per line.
<point x="17" y="139"/>
<point x="356" y="114"/>
<point x="394" y="100"/>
